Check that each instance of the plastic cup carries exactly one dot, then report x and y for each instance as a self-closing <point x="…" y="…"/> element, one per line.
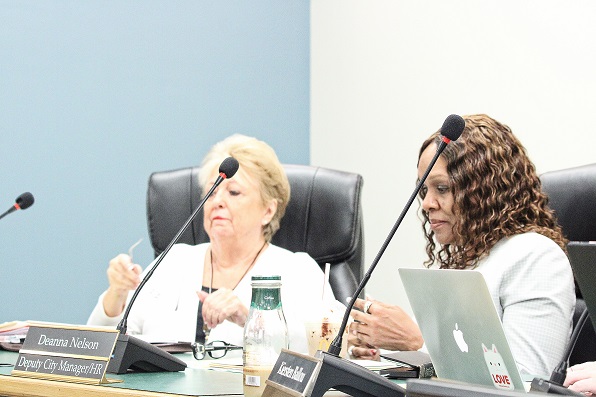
<point x="321" y="333"/>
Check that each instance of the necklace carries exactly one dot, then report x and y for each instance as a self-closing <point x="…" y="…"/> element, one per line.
<point x="203" y="331"/>
<point x="245" y="272"/>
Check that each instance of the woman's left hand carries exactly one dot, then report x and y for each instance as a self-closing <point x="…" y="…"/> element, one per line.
<point x="222" y="305"/>
<point x="360" y="350"/>
<point x="582" y="378"/>
<point x="384" y="326"/>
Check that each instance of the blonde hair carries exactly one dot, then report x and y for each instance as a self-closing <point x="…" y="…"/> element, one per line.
<point x="258" y="160"/>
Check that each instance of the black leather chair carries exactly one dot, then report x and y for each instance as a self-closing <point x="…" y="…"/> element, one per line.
<point x="323" y="218"/>
<point x="572" y="195"/>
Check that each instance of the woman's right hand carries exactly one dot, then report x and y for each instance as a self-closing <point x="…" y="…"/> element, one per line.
<point x="222" y="305"/>
<point x="383" y="326"/>
<point x="123" y="276"/>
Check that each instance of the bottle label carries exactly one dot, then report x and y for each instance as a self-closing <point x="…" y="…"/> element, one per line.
<point x="252" y="380"/>
<point x="266" y="299"/>
<point x="255" y="375"/>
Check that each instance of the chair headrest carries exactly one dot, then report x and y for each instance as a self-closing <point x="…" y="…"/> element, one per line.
<point x="323" y="217"/>
<point x="572" y="195"/>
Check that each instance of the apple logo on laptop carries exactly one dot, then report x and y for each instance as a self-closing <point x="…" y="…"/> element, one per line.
<point x="458" y="335"/>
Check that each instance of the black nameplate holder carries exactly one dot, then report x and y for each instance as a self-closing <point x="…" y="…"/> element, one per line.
<point x="66" y="353"/>
<point x="299" y="375"/>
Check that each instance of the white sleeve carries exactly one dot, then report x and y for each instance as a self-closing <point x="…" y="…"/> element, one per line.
<point x="538" y="300"/>
<point x="99" y="317"/>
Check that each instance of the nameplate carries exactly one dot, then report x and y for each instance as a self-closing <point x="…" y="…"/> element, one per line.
<point x="67" y="353"/>
<point x="293" y="374"/>
<point x="298" y="375"/>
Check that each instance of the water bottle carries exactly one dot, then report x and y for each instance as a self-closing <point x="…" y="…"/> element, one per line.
<point x="265" y="333"/>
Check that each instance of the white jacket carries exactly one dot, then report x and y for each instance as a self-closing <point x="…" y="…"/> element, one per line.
<point x="166" y="309"/>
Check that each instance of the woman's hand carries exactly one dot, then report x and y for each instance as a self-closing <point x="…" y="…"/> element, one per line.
<point x="582" y="378"/>
<point x="357" y="348"/>
<point x="382" y="327"/>
<point x="222" y="305"/>
<point x="123" y="276"/>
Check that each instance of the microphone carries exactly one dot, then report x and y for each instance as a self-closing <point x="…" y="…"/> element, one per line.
<point x="133" y="353"/>
<point x="451" y="130"/>
<point x="555" y="384"/>
<point x="332" y="371"/>
<point x="22" y="202"/>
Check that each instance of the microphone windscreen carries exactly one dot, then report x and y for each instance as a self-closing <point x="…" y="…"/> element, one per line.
<point x="25" y="200"/>
<point x="452" y="127"/>
<point x="229" y="167"/>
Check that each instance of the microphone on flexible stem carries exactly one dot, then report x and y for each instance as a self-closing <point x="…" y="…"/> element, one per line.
<point x="22" y="202"/>
<point x="555" y="384"/>
<point x="134" y="353"/>
<point x="451" y="130"/>
<point x="333" y="371"/>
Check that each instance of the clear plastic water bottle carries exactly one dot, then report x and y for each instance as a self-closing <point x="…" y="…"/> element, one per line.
<point x="265" y="333"/>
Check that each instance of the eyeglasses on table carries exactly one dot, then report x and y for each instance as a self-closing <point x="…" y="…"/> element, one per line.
<point x="215" y="349"/>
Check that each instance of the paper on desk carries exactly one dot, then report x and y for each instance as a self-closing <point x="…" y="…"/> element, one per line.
<point x="235" y="364"/>
<point x="230" y="364"/>
<point x="374" y="365"/>
<point x="12" y="335"/>
<point x="14" y="328"/>
<point x="149" y="338"/>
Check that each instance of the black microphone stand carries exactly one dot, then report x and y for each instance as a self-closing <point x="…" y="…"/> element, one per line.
<point x="344" y="375"/>
<point x="347" y="376"/>
<point x="134" y="353"/>
<point x="335" y="347"/>
<point x="555" y="384"/>
<point x="122" y="326"/>
<point x="9" y="211"/>
<point x="327" y="370"/>
<point x="558" y="375"/>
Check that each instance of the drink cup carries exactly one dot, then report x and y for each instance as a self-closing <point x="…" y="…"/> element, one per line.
<point x="321" y="333"/>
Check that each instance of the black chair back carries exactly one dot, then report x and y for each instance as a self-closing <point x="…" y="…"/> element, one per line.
<point x="572" y="195"/>
<point x="323" y="218"/>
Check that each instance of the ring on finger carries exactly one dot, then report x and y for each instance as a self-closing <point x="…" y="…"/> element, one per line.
<point x="367" y="305"/>
<point x="351" y="350"/>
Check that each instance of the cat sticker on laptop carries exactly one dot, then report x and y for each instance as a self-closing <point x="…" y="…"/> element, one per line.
<point x="496" y="367"/>
<point x="494" y="361"/>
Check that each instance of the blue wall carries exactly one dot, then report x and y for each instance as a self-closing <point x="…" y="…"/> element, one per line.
<point x="95" y="95"/>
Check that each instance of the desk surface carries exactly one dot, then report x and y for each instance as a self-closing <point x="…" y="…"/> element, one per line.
<point x="191" y="382"/>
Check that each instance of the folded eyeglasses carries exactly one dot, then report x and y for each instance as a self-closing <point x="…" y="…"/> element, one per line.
<point x="215" y="349"/>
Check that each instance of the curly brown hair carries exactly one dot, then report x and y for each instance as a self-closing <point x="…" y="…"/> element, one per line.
<point x="497" y="193"/>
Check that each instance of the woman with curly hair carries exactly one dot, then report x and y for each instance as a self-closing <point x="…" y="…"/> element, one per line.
<point x="483" y="208"/>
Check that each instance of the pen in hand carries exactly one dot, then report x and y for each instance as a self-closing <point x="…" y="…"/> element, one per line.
<point x="131" y="249"/>
<point x="123" y="276"/>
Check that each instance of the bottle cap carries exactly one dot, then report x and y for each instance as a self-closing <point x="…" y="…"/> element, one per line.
<point x="266" y="278"/>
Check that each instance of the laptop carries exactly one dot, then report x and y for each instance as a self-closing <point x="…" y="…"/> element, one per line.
<point x="582" y="256"/>
<point x="461" y="328"/>
<point x="449" y="388"/>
